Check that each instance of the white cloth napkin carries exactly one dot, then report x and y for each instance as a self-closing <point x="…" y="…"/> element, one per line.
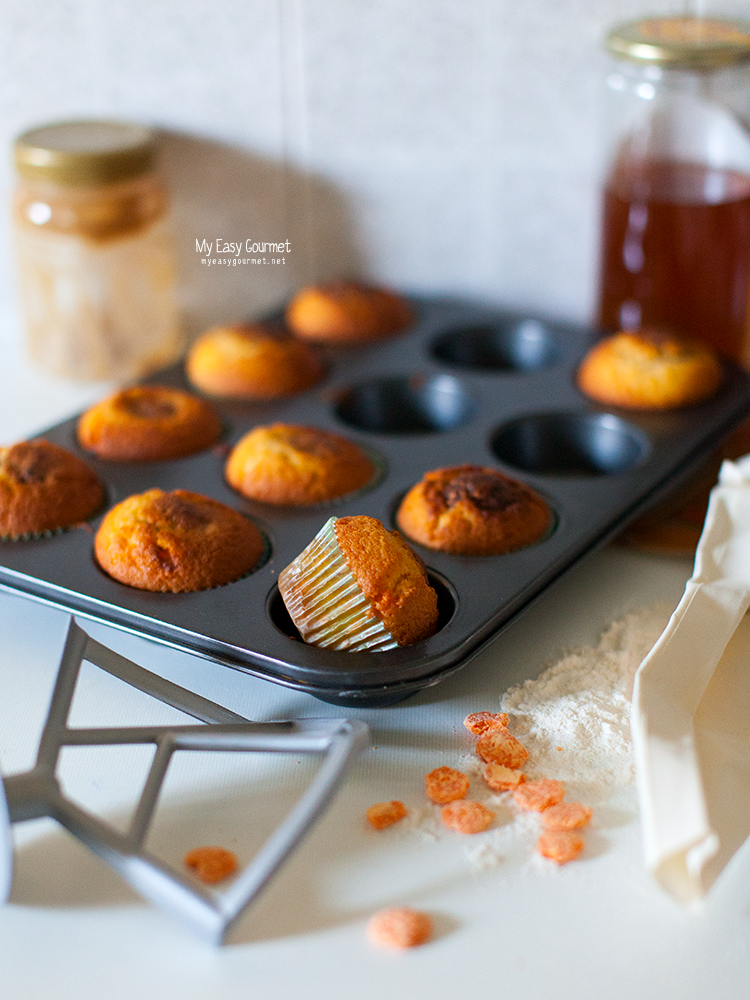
<point x="691" y="707"/>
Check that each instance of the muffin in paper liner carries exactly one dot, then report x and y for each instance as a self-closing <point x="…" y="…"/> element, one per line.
<point x="176" y="541"/>
<point x="325" y="601"/>
<point x="44" y="490"/>
<point x="301" y="466"/>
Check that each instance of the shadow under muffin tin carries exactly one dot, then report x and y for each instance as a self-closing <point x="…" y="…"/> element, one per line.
<point x="465" y="384"/>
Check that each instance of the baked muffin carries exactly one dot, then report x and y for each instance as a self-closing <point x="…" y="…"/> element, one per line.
<point x="289" y="464"/>
<point x="347" y="312"/>
<point x="649" y="370"/>
<point x="472" y="511"/>
<point x="358" y="586"/>
<point x="255" y="361"/>
<point x="147" y="423"/>
<point x="177" y="541"/>
<point x="44" y="487"/>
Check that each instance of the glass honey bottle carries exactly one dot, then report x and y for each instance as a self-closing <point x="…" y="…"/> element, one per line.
<point x="675" y="235"/>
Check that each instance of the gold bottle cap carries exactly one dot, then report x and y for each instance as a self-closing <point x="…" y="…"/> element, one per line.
<point x="85" y="153"/>
<point x="682" y="42"/>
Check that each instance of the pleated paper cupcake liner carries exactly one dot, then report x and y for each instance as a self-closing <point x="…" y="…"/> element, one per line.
<point x="35" y="536"/>
<point x="326" y="603"/>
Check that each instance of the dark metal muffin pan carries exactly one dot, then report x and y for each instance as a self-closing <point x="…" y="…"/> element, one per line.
<point x="467" y="383"/>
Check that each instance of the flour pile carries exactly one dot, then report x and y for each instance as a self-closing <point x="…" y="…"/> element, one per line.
<point x="574" y="720"/>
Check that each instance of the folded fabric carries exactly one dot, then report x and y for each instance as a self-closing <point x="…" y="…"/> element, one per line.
<point x="691" y="705"/>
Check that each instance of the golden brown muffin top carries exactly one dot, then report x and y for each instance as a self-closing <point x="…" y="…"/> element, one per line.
<point x="299" y="438"/>
<point x="472" y="510"/>
<point x="486" y="490"/>
<point x="180" y="511"/>
<point x="653" y="346"/>
<point x="30" y="462"/>
<point x="253" y="360"/>
<point x="245" y="340"/>
<point x="347" y="311"/>
<point x="294" y="464"/>
<point x="390" y="575"/>
<point x="146" y="406"/>
<point x="649" y="369"/>
<point x="148" y="422"/>
<point x="44" y="486"/>
<point x="176" y="541"/>
<point x="41" y="462"/>
<point x="304" y="441"/>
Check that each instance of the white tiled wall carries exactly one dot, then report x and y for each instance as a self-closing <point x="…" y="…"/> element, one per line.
<point x="438" y="145"/>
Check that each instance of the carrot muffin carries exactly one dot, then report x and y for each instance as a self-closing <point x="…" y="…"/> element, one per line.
<point x="649" y="370"/>
<point x="147" y="423"/>
<point x="44" y="487"/>
<point x="358" y="586"/>
<point x="347" y="312"/>
<point x="178" y="541"/>
<point x="472" y="511"/>
<point x="289" y="464"/>
<point x="254" y="361"/>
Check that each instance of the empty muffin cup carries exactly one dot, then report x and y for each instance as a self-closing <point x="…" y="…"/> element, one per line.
<point x="414" y="404"/>
<point x="511" y="345"/>
<point x="576" y="444"/>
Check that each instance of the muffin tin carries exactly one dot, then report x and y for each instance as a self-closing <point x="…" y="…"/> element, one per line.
<point x="467" y="383"/>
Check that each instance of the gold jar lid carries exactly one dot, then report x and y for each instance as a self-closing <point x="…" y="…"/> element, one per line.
<point x="682" y="42"/>
<point x="85" y="153"/>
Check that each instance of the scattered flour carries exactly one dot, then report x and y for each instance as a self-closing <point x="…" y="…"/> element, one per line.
<point x="574" y="720"/>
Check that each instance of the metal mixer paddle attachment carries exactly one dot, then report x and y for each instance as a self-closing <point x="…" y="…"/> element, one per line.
<point x="37" y="793"/>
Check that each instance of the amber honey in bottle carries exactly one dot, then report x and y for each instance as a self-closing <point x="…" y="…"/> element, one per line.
<point x="675" y="245"/>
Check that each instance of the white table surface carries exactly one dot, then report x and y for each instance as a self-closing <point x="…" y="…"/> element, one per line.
<point x="598" y="928"/>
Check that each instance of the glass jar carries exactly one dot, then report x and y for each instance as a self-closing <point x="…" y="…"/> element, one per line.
<point x="94" y="251"/>
<point x="675" y="246"/>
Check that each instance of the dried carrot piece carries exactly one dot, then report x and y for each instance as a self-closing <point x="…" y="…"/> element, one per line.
<point x="211" y="864"/>
<point x="560" y="845"/>
<point x="444" y="784"/>
<point x="399" y="927"/>
<point x="384" y="814"/>
<point x="480" y="723"/>
<point x="501" y="778"/>
<point x="540" y="794"/>
<point x="566" y="816"/>
<point x="498" y="746"/>
<point x="466" y="816"/>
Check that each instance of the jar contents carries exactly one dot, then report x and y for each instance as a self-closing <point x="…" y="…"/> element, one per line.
<point x="676" y="251"/>
<point x="675" y="239"/>
<point x="94" y="251"/>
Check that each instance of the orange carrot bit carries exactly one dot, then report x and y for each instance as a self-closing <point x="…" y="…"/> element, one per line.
<point x="399" y="927"/>
<point x="501" y="778"/>
<point x="480" y="723"/>
<point x="560" y="845"/>
<point x="566" y="816"/>
<point x="444" y="784"/>
<point x="384" y="814"/>
<point x="211" y="864"/>
<point x="498" y="747"/>
<point x="466" y="816"/>
<point x="540" y="794"/>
